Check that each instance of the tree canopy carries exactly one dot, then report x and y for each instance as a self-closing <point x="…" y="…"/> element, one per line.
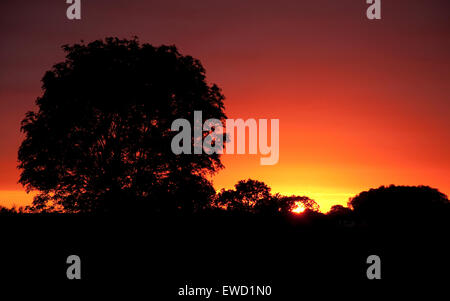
<point x="252" y="196"/>
<point x="400" y="203"/>
<point x="101" y="134"/>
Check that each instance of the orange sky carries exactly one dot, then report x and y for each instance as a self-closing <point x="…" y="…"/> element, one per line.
<point x="361" y="103"/>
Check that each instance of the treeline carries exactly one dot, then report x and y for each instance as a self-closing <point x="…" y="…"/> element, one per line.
<point x="386" y="205"/>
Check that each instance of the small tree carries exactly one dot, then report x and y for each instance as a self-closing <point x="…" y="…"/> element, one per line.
<point x="253" y="196"/>
<point x="247" y="196"/>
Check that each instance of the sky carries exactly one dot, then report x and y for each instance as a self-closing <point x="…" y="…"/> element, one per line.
<point x="361" y="103"/>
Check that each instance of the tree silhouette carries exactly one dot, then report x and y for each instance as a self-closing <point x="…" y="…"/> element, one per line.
<point x="247" y="196"/>
<point x="292" y="201"/>
<point x="101" y="136"/>
<point x="341" y="216"/>
<point x="417" y="204"/>
<point x="251" y="196"/>
<point x="339" y="210"/>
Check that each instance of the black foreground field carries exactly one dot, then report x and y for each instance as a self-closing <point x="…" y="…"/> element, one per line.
<point x="160" y="255"/>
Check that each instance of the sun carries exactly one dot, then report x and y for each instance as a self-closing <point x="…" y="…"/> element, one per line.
<point x="298" y="208"/>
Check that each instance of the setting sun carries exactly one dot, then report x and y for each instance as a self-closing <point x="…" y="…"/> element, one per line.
<point x="298" y="208"/>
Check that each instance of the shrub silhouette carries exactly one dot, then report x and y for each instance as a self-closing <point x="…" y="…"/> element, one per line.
<point x="101" y="135"/>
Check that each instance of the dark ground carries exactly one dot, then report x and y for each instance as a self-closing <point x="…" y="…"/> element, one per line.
<point x="157" y="256"/>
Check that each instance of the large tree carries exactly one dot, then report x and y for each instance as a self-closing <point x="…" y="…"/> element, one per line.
<point x="101" y="139"/>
